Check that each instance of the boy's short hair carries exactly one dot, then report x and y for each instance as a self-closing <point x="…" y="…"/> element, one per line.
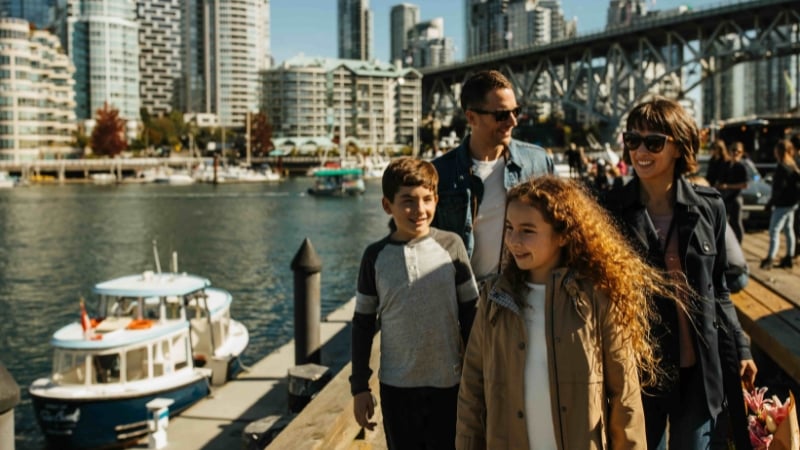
<point x="474" y="90"/>
<point x="408" y="172"/>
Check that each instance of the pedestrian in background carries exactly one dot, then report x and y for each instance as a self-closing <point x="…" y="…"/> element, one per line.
<point x="731" y="181"/>
<point x="716" y="164"/>
<point x="560" y="339"/>
<point x="680" y="228"/>
<point x="474" y="178"/>
<point x="785" y="195"/>
<point x="418" y="281"/>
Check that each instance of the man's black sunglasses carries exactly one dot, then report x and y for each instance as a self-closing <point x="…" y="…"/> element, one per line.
<point x="501" y="115"/>
<point x="654" y="143"/>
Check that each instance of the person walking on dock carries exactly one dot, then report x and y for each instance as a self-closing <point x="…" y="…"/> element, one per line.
<point x="680" y="228"/>
<point x="553" y="355"/>
<point x="732" y="179"/>
<point x="785" y="195"/>
<point x="474" y="177"/>
<point x="418" y="282"/>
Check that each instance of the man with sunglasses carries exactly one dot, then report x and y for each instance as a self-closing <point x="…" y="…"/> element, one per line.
<point x="474" y="177"/>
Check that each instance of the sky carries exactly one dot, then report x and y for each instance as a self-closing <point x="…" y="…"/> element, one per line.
<point x="309" y="26"/>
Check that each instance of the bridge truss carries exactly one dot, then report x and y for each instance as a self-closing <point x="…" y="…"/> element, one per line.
<point x="601" y="75"/>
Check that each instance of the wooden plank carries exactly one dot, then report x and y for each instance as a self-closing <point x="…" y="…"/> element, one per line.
<point x="327" y="422"/>
<point x="772" y="332"/>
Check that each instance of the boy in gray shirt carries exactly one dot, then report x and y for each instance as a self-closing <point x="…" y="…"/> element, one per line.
<point x="418" y="283"/>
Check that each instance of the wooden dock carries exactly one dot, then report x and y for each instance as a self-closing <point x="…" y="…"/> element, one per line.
<point x="218" y="421"/>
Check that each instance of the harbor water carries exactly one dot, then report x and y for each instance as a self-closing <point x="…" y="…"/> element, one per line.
<point x="57" y="241"/>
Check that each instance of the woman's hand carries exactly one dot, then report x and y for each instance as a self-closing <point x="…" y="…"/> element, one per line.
<point x="748" y="371"/>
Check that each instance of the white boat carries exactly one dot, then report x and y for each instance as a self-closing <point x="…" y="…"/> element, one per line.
<point x="103" y="178"/>
<point x="235" y="174"/>
<point x="174" y="177"/>
<point x="154" y="335"/>
<point x="6" y="180"/>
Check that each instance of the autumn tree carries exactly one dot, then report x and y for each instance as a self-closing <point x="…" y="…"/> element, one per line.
<point x="260" y="134"/>
<point x="108" y="135"/>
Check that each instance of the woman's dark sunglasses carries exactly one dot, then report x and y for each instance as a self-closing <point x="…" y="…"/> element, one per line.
<point x="654" y="143"/>
<point x="501" y="115"/>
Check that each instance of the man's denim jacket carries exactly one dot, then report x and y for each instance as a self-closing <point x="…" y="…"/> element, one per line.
<point x="461" y="192"/>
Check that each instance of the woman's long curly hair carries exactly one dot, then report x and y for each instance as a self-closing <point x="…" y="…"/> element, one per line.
<point x="597" y="251"/>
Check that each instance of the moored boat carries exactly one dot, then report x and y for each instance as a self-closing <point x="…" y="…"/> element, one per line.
<point x="155" y="335"/>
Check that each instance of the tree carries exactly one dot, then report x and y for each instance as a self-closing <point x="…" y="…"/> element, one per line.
<point x="108" y="135"/>
<point x="260" y="134"/>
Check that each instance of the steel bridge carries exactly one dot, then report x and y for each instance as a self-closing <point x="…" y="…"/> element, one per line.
<point x="601" y="75"/>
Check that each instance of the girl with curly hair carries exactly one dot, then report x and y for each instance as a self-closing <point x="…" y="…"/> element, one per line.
<point x="562" y="334"/>
<point x="680" y="227"/>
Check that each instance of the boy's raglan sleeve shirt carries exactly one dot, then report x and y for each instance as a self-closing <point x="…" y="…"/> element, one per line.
<point x="364" y="321"/>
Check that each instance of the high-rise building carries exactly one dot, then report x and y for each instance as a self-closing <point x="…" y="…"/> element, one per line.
<point x="159" y="54"/>
<point x="225" y="46"/>
<point x="38" y="12"/>
<point x="377" y="104"/>
<point x="493" y="25"/>
<point x="427" y="45"/>
<point x="355" y="30"/>
<point x="37" y="97"/>
<point x="625" y="12"/>
<point x="486" y="26"/>
<point x="403" y="17"/>
<point x="103" y="43"/>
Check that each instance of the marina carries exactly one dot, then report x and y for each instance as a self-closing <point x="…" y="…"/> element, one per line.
<point x="60" y="240"/>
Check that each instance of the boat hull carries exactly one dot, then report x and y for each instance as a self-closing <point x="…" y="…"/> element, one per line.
<point x="107" y="422"/>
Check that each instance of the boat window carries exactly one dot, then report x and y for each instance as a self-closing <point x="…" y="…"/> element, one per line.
<point x="105" y="368"/>
<point x="136" y="364"/>
<point x="123" y="307"/>
<point x="151" y="308"/>
<point x="69" y="367"/>
<point x="179" y="351"/>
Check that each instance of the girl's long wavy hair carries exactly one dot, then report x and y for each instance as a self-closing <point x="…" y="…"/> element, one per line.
<point x="597" y="251"/>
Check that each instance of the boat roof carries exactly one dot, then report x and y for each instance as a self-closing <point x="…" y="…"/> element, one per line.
<point x="71" y="337"/>
<point x="149" y="284"/>
<point x="338" y="171"/>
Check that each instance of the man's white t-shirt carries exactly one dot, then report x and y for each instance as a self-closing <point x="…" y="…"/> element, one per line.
<point x="538" y="411"/>
<point x="488" y="226"/>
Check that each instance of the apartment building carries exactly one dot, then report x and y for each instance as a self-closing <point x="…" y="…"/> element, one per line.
<point x="378" y="105"/>
<point x="37" y="98"/>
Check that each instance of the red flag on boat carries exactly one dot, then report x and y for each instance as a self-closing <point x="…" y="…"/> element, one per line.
<point x="86" y="323"/>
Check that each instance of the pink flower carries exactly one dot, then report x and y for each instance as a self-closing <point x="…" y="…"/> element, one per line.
<point x="767" y="414"/>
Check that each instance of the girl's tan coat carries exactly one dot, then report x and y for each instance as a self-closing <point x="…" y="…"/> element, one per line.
<point x="596" y="399"/>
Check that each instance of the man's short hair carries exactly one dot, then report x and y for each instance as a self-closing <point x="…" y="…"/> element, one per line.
<point x="408" y="172"/>
<point x="474" y="90"/>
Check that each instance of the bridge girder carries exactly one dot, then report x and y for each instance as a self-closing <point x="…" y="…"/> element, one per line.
<point x="604" y="74"/>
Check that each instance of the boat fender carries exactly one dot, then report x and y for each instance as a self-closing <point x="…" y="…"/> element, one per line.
<point x="140" y="324"/>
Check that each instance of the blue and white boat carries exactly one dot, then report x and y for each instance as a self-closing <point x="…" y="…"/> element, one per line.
<point x="338" y="182"/>
<point x="155" y="335"/>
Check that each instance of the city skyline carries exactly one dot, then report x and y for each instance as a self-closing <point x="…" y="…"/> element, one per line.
<point x="310" y="26"/>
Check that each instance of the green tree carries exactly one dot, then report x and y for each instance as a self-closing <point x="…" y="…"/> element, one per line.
<point x="108" y="135"/>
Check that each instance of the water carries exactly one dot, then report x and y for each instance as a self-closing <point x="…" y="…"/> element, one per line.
<point x="57" y="241"/>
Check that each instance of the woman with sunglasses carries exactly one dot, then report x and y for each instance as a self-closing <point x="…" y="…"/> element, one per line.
<point x="680" y="228"/>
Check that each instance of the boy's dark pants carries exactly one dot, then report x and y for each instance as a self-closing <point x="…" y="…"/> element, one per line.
<point x="420" y="417"/>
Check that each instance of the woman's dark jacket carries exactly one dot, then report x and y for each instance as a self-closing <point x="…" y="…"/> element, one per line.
<point x="701" y="223"/>
<point x="784" y="186"/>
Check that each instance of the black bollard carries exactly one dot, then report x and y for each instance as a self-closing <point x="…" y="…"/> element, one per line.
<point x="306" y="266"/>
<point x="9" y="398"/>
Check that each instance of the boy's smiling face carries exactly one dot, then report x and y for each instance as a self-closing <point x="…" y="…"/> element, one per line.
<point x="412" y="210"/>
